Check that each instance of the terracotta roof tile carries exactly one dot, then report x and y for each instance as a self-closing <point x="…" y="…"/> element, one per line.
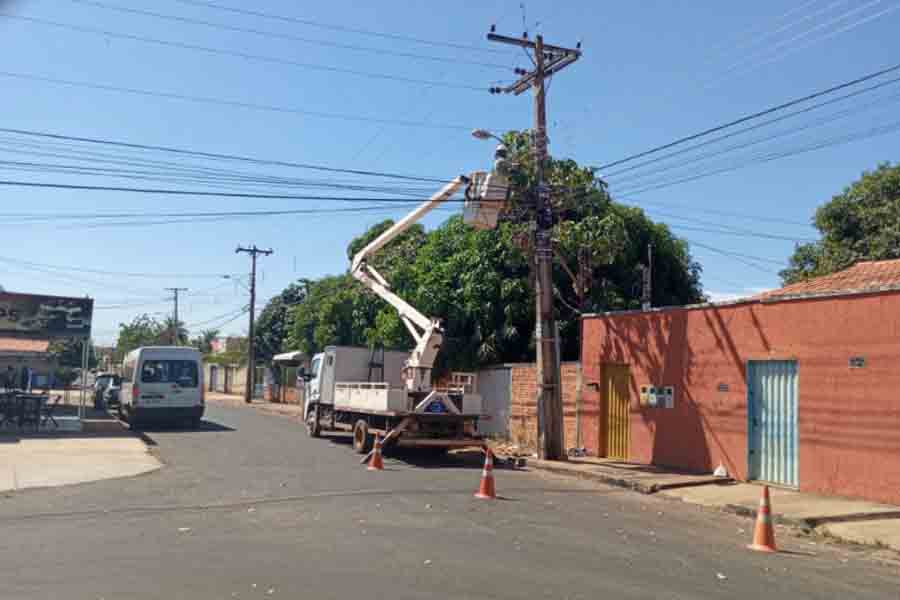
<point x="866" y="276"/>
<point x="9" y="344"/>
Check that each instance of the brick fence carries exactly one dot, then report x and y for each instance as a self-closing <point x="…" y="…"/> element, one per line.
<point x="523" y="403"/>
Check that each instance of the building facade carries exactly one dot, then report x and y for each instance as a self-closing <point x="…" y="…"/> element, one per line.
<point x="795" y="387"/>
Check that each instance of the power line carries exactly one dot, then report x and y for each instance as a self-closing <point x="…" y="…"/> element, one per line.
<point x="742" y="43"/>
<point x="750" y="261"/>
<point x="289" y="37"/>
<point x="787" y="132"/>
<point x="244" y="55"/>
<point x="217" y="155"/>
<point x="764" y="158"/>
<point x="116" y="273"/>
<point x="802" y="35"/>
<point x="165" y="191"/>
<point x="752" y="116"/>
<point x="335" y="27"/>
<point x="827" y="36"/>
<point x="222" y="102"/>
<point x="753" y="127"/>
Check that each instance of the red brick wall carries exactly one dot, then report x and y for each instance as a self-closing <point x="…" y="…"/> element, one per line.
<point x="523" y="403"/>
<point x="848" y="419"/>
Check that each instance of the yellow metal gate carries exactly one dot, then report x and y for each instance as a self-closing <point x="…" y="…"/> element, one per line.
<point x="615" y="384"/>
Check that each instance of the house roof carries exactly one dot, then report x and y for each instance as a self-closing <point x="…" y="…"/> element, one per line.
<point x="19" y="345"/>
<point x="863" y="277"/>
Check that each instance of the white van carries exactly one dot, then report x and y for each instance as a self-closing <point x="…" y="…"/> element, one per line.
<point x="162" y="384"/>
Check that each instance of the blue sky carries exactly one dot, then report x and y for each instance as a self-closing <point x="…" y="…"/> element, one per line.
<point x="651" y="72"/>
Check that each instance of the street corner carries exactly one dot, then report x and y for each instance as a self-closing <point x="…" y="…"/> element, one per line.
<point x="59" y="461"/>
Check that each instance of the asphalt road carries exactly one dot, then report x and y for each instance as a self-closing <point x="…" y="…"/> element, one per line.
<point x="249" y="507"/>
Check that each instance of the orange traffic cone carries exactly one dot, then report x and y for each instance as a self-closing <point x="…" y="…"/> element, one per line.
<point x="376" y="463"/>
<point x="763" y="533"/>
<point x="486" y="489"/>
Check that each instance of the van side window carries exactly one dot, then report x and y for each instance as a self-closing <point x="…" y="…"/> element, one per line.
<point x="314" y="368"/>
<point x="330" y="360"/>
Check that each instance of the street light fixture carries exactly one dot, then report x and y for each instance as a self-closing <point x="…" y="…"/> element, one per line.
<point x="484" y="134"/>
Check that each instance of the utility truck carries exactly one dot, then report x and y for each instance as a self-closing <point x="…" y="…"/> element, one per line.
<point x="391" y="393"/>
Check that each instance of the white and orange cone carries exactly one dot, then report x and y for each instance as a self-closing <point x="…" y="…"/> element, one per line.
<point x="486" y="488"/>
<point x="764" y="533"/>
<point x="376" y="463"/>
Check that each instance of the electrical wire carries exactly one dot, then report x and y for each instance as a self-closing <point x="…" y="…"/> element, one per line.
<point x="786" y="43"/>
<point x="244" y="55"/>
<point x="336" y="27"/>
<point x="753" y="116"/>
<point x="165" y="191"/>
<point x="754" y="127"/>
<point x="289" y="37"/>
<point x="216" y="155"/>
<point x="764" y="158"/>
<point x="223" y="102"/>
<point x="828" y="120"/>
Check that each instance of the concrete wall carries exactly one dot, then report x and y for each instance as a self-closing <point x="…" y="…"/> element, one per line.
<point x="523" y="409"/>
<point x="849" y="419"/>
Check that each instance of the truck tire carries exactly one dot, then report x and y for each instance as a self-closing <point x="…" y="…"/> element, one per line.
<point x="362" y="439"/>
<point x="313" y="429"/>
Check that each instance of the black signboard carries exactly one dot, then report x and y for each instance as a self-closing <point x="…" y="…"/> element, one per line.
<point x="29" y="315"/>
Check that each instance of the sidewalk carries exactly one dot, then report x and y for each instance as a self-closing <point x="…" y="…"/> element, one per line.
<point x="38" y="461"/>
<point x="856" y="521"/>
<point x="276" y="408"/>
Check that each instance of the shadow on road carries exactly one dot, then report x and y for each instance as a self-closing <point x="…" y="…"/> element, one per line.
<point x="205" y="426"/>
<point x="425" y="458"/>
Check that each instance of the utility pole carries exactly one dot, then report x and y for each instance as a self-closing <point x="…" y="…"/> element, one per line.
<point x="175" y="291"/>
<point x="647" y="289"/>
<point x="253" y="251"/>
<point x="548" y="60"/>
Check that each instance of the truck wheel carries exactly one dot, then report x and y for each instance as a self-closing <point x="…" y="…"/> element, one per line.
<point x="362" y="439"/>
<point x="313" y="429"/>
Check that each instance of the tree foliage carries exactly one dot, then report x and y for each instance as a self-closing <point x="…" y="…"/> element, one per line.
<point x="479" y="282"/>
<point x="860" y="223"/>
<point x="271" y="326"/>
<point x="203" y="341"/>
<point x="143" y="330"/>
<point x="67" y="352"/>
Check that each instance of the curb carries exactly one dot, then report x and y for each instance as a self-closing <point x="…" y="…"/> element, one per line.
<point x="628" y="484"/>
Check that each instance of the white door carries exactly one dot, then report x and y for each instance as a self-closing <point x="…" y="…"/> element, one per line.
<point x="169" y="382"/>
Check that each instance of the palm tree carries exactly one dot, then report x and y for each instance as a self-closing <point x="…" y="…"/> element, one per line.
<point x="167" y="335"/>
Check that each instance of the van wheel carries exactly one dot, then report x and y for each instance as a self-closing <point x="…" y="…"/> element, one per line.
<point x="313" y="429"/>
<point x="362" y="439"/>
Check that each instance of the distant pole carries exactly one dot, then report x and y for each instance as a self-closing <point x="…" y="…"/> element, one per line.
<point x="174" y="327"/>
<point x="253" y="251"/>
<point x="647" y="289"/>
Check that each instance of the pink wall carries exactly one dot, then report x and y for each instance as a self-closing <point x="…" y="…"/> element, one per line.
<point x="849" y="419"/>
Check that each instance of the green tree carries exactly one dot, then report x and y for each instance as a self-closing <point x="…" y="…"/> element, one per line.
<point x="203" y="341"/>
<point x="67" y="352"/>
<point x="479" y="282"/>
<point x="860" y="223"/>
<point x="272" y="325"/>
<point x="143" y="330"/>
<point x="169" y="328"/>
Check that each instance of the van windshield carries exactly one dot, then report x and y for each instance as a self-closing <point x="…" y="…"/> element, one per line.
<point x="182" y="372"/>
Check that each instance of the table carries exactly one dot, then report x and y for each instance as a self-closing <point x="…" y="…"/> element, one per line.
<point x="24" y="407"/>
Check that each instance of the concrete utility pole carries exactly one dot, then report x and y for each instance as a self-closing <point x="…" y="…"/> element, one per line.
<point x="548" y="60"/>
<point x="253" y="251"/>
<point x="174" y="327"/>
<point x="647" y="290"/>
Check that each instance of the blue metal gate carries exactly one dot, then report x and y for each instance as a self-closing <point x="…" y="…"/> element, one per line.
<point x="772" y="421"/>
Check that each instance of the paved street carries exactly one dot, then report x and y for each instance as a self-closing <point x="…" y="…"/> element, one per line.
<point x="249" y="507"/>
